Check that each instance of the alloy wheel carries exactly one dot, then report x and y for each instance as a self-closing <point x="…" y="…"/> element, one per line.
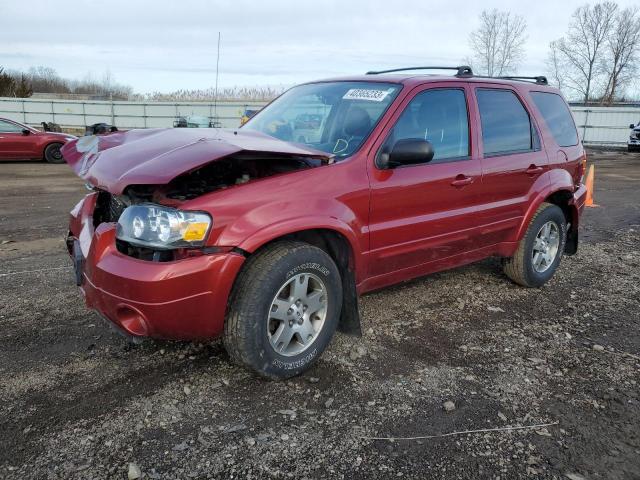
<point x="545" y="247"/>
<point x="297" y="314"/>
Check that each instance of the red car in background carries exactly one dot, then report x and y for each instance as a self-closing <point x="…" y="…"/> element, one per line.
<point x="22" y="142"/>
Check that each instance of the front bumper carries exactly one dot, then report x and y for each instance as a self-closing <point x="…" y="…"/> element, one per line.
<point x="184" y="299"/>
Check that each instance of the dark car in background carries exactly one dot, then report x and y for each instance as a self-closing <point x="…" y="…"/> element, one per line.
<point x="22" y="142"/>
<point x="99" y="129"/>
<point x="633" y="144"/>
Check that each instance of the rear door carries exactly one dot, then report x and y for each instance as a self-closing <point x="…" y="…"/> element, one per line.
<point x="424" y="213"/>
<point x="513" y="161"/>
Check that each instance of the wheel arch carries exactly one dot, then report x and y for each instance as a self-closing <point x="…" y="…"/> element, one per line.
<point x="564" y="199"/>
<point x="340" y="246"/>
<point x="561" y="196"/>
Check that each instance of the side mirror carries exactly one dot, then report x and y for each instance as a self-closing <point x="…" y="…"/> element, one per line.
<point x="408" y="151"/>
<point x="632" y="126"/>
<point x="26" y="131"/>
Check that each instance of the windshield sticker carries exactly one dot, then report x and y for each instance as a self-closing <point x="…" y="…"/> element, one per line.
<point x="365" y="94"/>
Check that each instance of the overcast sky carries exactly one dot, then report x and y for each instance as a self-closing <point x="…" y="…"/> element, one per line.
<point x="167" y="45"/>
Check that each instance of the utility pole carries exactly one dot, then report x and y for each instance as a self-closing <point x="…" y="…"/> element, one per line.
<point x="215" y="97"/>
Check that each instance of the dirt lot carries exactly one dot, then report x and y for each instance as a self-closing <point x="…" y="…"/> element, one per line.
<point x="76" y="401"/>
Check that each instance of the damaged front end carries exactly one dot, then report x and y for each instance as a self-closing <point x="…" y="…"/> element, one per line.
<point x="126" y="236"/>
<point x="169" y="167"/>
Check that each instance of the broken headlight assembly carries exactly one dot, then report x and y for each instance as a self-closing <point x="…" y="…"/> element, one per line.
<point x="163" y="228"/>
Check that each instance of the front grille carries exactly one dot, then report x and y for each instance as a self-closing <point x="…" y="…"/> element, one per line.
<point x="108" y="208"/>
<point x="142" y="253"/>
<point x="116" y="207"/>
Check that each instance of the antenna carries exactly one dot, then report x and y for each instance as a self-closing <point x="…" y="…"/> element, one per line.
<point x="215" y="96"/>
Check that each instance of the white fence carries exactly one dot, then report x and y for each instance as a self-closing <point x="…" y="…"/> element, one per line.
<point x="605" y="125"/>
<point x="596" y="125"/>
<point x="78" y="113"/>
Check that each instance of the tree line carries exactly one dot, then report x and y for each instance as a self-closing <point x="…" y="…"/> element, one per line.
<point x="14" y="83"/>
<point x="595" y="61"/>
<point x="46" y="80"/>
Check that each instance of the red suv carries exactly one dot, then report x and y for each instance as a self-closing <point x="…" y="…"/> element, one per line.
<point x="248" y="235"/>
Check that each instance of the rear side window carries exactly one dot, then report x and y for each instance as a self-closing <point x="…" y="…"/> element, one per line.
<point x="506" y="125"/>
<point x="557" y="117"/>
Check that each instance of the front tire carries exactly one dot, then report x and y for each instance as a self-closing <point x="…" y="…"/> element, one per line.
<point x="539" y="252"/>
<point x="284" y="309"/>
<point x="52" y="153"/>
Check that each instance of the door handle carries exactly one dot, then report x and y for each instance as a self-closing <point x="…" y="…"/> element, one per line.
<point x="534" y="169"/>
<point x="462" y="180"/>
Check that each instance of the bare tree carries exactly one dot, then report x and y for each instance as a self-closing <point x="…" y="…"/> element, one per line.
<point x="555" y="66"/>
<point x="498" y="44"/>
<point x="23" y="88"/>
<point x="45" y="79"/>
<point x="621" y="52"/>
<point x="584" y="44"/>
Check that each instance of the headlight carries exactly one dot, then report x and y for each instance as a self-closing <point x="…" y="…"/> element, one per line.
<point x="154" y="226"/>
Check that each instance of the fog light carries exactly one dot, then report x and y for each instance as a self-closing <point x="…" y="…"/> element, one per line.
<point x="132" y="321"/>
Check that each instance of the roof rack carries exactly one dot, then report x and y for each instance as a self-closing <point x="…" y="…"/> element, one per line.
<point x="464" y="71"/>
<point x="540" y="80"/>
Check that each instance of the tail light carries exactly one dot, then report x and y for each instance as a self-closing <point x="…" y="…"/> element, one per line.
<point x="582" y="169"/>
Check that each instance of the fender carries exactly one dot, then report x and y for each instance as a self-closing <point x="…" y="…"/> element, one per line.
<point x="273" y="231"/>
<point x="297" y="224"/>
<point x="252" y="222"/>
<point x="559" y="180"/>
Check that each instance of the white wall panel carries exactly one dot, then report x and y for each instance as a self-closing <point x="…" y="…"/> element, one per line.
<point x="596" y="125"/>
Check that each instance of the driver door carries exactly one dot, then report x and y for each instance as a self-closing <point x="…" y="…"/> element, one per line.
<point x="421" y="214"/>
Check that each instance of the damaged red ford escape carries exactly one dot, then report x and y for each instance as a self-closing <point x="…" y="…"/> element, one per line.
<point x="267" y="234"/>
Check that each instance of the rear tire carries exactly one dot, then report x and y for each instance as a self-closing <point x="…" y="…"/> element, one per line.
<point x="284" y="309"/>
<point x="52" y="153"/>
<point x="539" y="252"/>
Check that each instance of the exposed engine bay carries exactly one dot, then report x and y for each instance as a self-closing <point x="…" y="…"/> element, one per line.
<point x="238" y="169"/>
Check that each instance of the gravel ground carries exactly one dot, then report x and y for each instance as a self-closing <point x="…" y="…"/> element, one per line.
<point x="457" y="351"/>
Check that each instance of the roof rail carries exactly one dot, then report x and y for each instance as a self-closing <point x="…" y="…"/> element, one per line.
<point x="540" y="80"/>
<point x="465" y="71"/>
<point x="461" y="71"/>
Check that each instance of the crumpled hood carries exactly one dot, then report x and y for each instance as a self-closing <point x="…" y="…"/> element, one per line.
<point x="156" y="156"/>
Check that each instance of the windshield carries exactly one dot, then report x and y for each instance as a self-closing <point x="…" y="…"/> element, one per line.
<point x="335" y="117"/>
